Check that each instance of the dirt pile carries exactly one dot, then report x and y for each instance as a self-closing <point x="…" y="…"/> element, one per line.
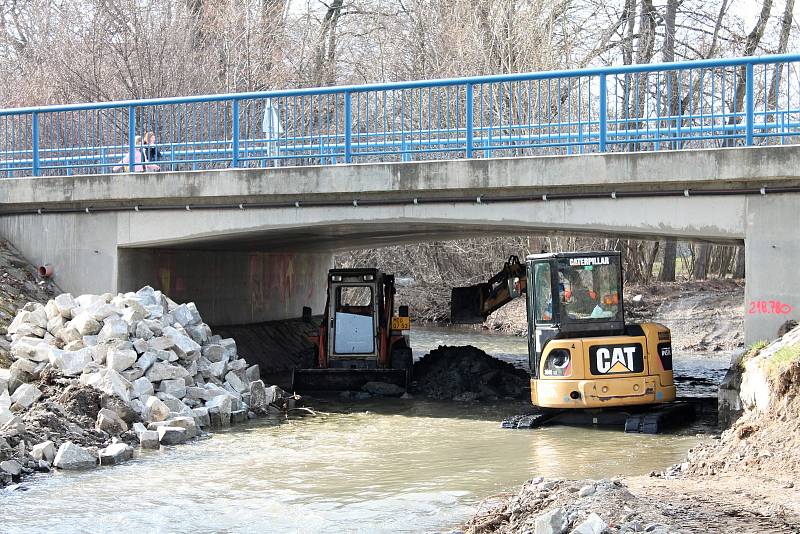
<point x="704" y="315"/>
<point x="19" y="284"/>
<point x="559" y="506"/>
<point x="640" y="504"/>
<point x="467" y="373"/>
<point x="65" y="412"/>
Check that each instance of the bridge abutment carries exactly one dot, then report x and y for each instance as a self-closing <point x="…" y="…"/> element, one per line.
<point x="230" y="287"/>
<point x="772" y="265"/>
<point x="80" y="247"/>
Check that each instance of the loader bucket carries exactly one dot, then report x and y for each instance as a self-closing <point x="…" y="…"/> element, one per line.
<point x="307" y="380"/>
<point x="465" y="304"/>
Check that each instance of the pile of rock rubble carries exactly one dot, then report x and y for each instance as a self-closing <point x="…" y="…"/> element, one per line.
<point x="161" y="374"/>
<point x="558" y="506"/>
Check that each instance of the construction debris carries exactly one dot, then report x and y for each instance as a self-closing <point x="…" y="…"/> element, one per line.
<point x="95" y="374"/>
<point x="19" y="284"/>
<point x="466" y="374"/>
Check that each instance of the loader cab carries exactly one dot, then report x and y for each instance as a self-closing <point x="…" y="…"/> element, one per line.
<point x="360" y="339"/>
<point x="572" y="295"/>
<point x="354" y="311"/>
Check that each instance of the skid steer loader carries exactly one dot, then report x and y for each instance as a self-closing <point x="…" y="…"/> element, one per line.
<point x="360" y="338"/>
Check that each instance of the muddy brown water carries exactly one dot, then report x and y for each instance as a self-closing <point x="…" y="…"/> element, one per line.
<point x="389" y="466"/>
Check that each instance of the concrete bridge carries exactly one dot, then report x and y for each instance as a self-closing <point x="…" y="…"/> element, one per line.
<point x="265" y="237"/>
<point x="264" y="187"/>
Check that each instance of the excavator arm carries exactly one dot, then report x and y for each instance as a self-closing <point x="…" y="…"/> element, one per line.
<point x="472" y="304"/>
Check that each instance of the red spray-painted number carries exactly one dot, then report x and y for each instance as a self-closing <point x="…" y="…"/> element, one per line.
<point x="769" y="306"/>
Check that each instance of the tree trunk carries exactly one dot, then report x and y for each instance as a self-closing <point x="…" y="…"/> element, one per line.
<point x="671" y="94"/>
<point x="753" y="39"/>
<point x="783" y="43"/>
<point x="701" y="261"/>
<point x="325" y="57"/>
<point x="648" y="20"/>
<point x="195" y="8"/>
<point x="652" y="260"/>
<point x="667" y="273"/>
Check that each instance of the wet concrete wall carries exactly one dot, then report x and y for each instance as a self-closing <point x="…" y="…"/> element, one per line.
<point x="231" y="287"/>
<point x="81" y="247"/>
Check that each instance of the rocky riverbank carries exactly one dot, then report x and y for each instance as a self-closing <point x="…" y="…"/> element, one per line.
<point x="19" y="284"/>
<point x="96" y="375"/>
<point x="704" y="316"/>
<point x="743" y="480"/>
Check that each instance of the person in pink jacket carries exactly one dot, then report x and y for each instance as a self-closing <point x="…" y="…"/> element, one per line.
<point x="140" y="158"/>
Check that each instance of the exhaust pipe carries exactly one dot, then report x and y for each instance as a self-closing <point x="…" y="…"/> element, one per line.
<point x="46" y="270"/>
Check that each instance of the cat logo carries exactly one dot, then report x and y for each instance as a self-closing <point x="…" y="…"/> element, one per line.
<point x="616" y="359"/>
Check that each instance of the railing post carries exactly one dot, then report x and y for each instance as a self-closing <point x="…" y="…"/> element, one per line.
<point x="748" y="104"/>
<point x="603" y="113"/>
<point x="348" y="128"/>
<point x="235" y="140"/>
<point x="469" y="120"/>
<point x="131" y="139"/>
<point x="35" y="142"/>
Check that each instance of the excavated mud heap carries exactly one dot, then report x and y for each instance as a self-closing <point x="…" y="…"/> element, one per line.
<point x="66" y="412"/>
<point x="468" y="373"/>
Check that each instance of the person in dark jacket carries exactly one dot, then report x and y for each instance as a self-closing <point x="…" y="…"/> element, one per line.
<point x="152" y="153"/>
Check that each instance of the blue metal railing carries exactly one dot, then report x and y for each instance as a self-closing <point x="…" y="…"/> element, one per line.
<point x="694" y="104"/>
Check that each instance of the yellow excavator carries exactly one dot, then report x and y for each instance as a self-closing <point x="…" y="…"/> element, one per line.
<point x="587" y="365"/>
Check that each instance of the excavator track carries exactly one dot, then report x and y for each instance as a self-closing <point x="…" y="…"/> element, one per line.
<point x="643" y="420"/>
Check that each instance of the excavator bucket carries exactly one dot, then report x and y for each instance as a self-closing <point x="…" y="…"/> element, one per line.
<point x="466" y="304"/>
<point x="309" y="380"/>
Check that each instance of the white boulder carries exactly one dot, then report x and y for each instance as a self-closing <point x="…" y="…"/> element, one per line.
<point x="155" y="410"/>
<point x="164" y="371"/>
<point x="119" y="360"/>
<point x="44" y="451"/>
<point x="175" y="387"/>
<point x="85" y="324"/>
<point x="142" y="388"/>
<point x="71" y="456"/>
<point x="172" y="435"/>
<point x="115" y="454"/>
<point x="25" y="395"/>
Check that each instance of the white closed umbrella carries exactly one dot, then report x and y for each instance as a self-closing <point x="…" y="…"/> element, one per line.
<point x="271" y="126"/>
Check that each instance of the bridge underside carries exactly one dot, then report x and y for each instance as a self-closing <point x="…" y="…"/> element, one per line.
<point x="336" y="237"/>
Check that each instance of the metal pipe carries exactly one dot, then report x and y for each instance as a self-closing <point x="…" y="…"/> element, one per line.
<point x="46" y="270"/>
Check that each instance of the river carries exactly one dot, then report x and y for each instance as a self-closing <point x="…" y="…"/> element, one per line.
<point x="389" y="466"/>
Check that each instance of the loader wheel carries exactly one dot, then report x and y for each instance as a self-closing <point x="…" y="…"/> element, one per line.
<point x="403" y="358"/>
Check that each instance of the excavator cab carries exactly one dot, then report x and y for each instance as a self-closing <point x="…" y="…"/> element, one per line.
<point x="574" y="295"/>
